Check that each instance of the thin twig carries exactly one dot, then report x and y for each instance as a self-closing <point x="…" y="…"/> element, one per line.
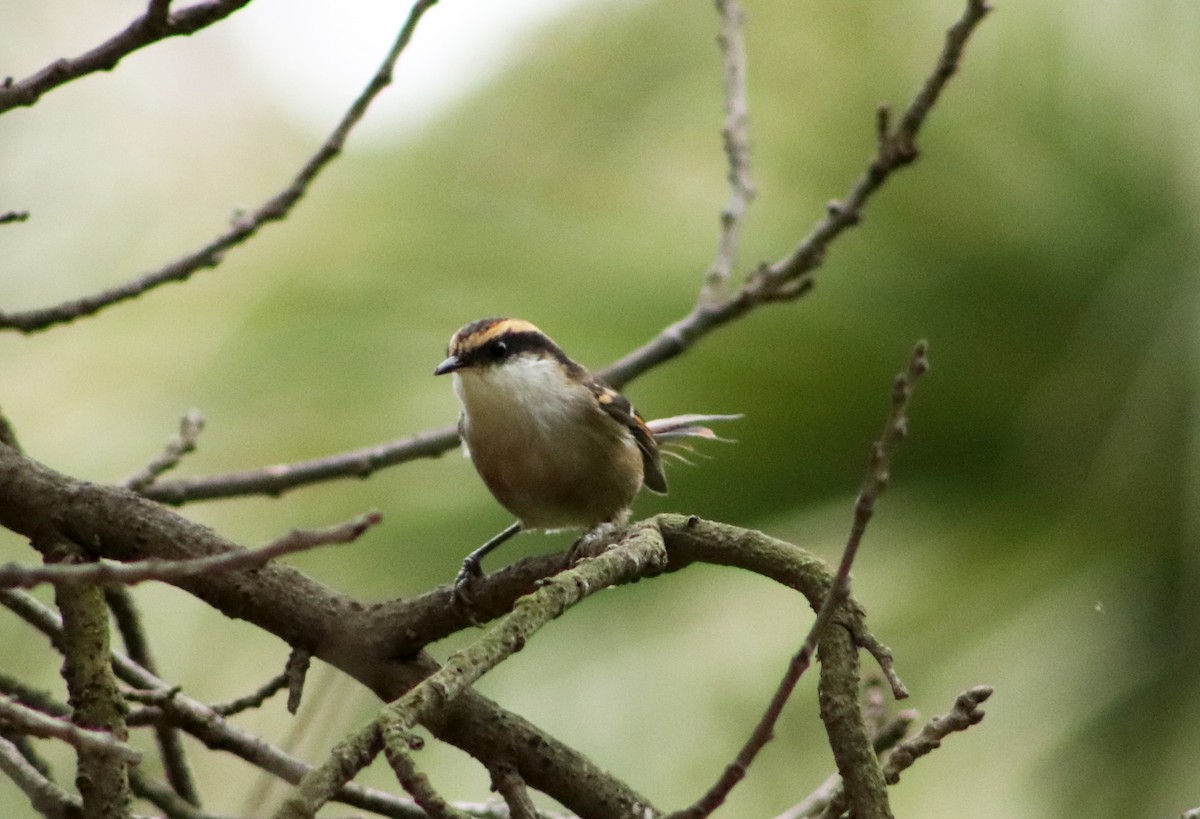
<point x="244" y="226"/>
<point x="35" y="698"/>
<point x="8" y="435"/>
<point x="508" y="782"/>
<point x="294" y="672"/>
<point x="15" y="576"/>
<point x="877" y="476"/>
<point x="163" y="796"/>
<point x="735" y="137"/>
<point x="791" y="276"/>
<point x="883" y="740"/>
<point x="190" y="427"/>
<point x="254" y="700"/>
<point x="279" y="478"/>
<point x="28" y="721"/>
<point x="46" y="798"/>
<point x="11" y="216"/>
<point x="137" y="646"/>
<point x="418" y="785"/>
<point x="151" y="27"/>
<point x="158" y="13"/>
<point x="962" y="716"/>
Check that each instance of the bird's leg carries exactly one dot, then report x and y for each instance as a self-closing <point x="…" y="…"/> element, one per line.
<point x="471" y="563"/>
<point x="595" y="540"/>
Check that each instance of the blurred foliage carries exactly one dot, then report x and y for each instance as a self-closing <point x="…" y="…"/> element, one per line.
<point x="1041" y="536"/>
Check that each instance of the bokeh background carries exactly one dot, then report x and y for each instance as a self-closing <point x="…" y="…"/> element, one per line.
<point x="562" y="163"/>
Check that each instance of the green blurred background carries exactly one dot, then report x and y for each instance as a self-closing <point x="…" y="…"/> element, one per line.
<point x="1041" y="533"/>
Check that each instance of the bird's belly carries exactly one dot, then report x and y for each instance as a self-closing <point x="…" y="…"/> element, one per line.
<point x="554" y="484"/>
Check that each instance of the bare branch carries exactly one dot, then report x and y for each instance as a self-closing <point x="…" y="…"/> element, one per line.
<point x="8" y="435"/>
<point x="152" y="26"/>
<point x="294" y="672"/>
<point x="14" y="576"/>
<point x="277" y="479"/>
<point x="163" y="797"/>
<point x="28" y="721"/>
<point x="507" y="781"/>
<point x="883" y="740"/>
<point x="158" y="13"/>
<point x="96" y="704"/>
<point x="735" y="136"/>
<point x="790" y="277"/>
<point x="170" y="744"/>
<point x="418" y="785"/>
<point x="47" y="798"/>
<point x="190" y="427"/>
<point x="273" y="210"/>
<point x="35" y="698"/>
<point x="964" y="714"/>
<point x="839" y="591"/>
<point x="254" y="700"/>
<point x="878" y="475"/>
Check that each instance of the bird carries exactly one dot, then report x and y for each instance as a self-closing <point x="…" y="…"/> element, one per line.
<point x="556" y="446"/>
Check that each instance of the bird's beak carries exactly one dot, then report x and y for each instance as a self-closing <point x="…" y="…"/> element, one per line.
<point x="449" y="365"/>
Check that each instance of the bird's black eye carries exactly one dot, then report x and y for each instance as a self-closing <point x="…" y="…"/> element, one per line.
<point x="498" y="349"/>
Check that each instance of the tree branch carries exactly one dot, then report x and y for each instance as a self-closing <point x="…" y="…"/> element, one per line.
<point x="735" y="136"/>
<point x="790" y="277"/>
<point x="137" y="646"/>
<point x="101" y="776"/>
<point x="964" y="714"/>
<point x="14" y="715"/>
<point x="152" y="26"/>
<point x="273" y="210"/>
<point x="279" y="478"/>
<point x="170" y="571"/>
<point x="839" y="591"/>
<point x="418" y="785"/>
<point x="190" y="427"/>
<point x="46" y="798"/>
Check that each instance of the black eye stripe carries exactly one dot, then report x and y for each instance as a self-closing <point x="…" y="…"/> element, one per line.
<point x="515" y="344"/>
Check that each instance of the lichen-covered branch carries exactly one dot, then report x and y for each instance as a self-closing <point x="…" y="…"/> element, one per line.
<point x="101" y="776"/>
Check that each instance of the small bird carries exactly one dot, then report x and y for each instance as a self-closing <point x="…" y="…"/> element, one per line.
<point x="557" y="447"/>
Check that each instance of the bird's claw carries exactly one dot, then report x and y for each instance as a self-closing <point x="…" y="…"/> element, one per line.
<point x="460" y="590"/>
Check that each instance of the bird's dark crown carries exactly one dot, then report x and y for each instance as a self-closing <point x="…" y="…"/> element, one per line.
<point x="492" y="341"/>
